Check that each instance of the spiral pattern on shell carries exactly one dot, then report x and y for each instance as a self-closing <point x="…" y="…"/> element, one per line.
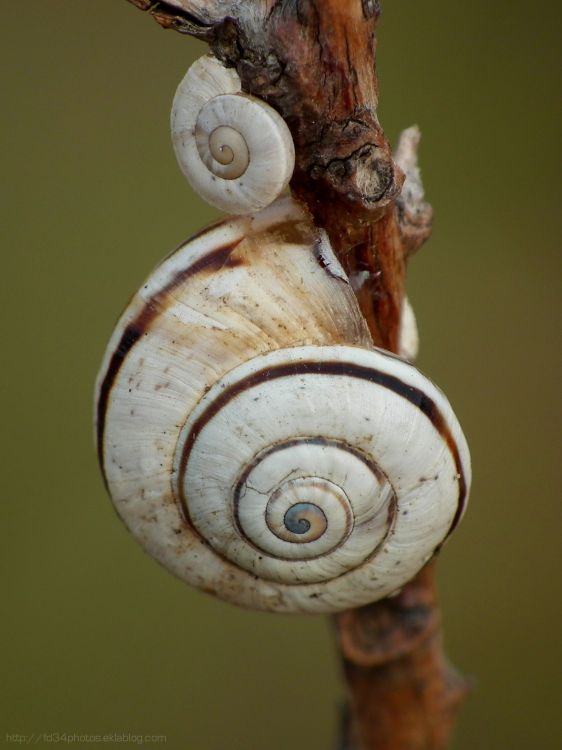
<point x="255" y="441"/>
<point x="235" y="150"/>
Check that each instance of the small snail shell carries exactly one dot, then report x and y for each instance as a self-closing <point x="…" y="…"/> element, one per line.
<point x="254" y="440"/>
<point x="235" y="150"/>
<point x="408" y="339"/>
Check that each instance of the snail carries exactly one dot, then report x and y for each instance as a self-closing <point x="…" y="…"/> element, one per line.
<point x="235" y="150"/>
<point x="408" y="338"/>
<point x="255" y="441"/>
<point x="250" y="434"/>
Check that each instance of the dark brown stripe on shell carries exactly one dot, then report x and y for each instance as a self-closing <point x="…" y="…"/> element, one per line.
<point x="381" y="476"/>
<point x="212" y="261"/>
<point x="343" y="369"/>
<point x="196" y="236"/>
<point x="342" y="445"/>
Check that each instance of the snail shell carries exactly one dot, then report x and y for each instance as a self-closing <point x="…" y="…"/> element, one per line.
<point x="408" y="339"/>
<point x="254" y="440"/>
<point x="235" y="150"/>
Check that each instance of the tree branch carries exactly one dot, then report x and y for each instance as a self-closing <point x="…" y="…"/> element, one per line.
<point x="314" y="61"/>
<point x="403" y="693"/>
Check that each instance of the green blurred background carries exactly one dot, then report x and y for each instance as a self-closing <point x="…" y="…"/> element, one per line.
<point x="96" y="637"/>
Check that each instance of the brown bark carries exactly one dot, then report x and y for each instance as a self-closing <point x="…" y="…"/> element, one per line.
<point x="403" y="693"/>
<point x="314" y="61"/>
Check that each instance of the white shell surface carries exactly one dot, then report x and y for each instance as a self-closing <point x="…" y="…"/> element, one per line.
<point x="211" y="117"/>
<point x="251" y="452"/>
<point x="408" y="341"/>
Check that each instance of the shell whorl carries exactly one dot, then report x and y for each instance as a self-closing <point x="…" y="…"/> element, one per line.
<point x="235" y="150"/>
<point x="255" y="441"/>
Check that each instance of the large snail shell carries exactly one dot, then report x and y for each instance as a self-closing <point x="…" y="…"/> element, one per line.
<point x="253" y="439"/>
<point x="235" y="150"/>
